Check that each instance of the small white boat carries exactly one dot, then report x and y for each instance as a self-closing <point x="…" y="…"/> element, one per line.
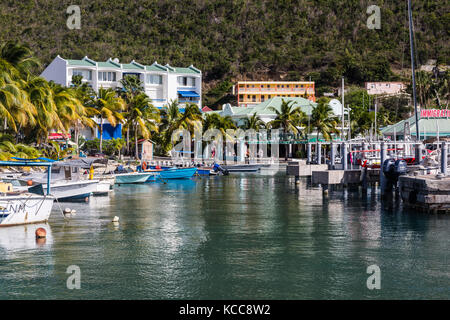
<point x="133" y="177"/>
<point x="103" y="188"/>
<point x="24" y="208"/>
<point x="66" y="190"/>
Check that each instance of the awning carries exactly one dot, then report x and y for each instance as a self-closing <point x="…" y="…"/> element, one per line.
<point x="189" y="94"/>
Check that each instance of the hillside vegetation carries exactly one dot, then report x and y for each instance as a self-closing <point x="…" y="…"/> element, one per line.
<point x="237" y="39"/>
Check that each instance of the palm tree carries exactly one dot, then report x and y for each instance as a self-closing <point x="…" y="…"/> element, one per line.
<point x="19" y="57"/>
<point x="142" y="116"/>
<point x="108" y="106"/>
<point x="131" y="87"/>
<point x="288" y="118"/>
<point x="324" y="120"/>
<point x="41" y="95"/>
<point x="254" y="122"/>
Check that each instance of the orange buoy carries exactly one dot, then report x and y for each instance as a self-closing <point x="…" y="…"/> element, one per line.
<point x="30" y="183"/>
<point x="41" y="233"/>
<point x="144" y="166"/>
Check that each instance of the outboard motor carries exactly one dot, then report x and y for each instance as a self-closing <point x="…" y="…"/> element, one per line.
<point x="400" y="167"/>
<point x="218" y="168"/>
<point x="392" y="169"/>
<point x="388" y="168"/>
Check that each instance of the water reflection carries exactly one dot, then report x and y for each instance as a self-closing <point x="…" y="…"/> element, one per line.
<point x="242" y="236"/>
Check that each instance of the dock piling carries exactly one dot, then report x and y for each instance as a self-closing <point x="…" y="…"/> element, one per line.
<point x="382" y="158"/>
<point x="444" y="158"/>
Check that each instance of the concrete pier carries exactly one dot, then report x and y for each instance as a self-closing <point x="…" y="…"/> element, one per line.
<point x="301" y="169"/>
<point x="430" y="192"/>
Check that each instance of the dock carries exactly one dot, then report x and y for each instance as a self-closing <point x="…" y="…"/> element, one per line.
<point x="429" y="193"/>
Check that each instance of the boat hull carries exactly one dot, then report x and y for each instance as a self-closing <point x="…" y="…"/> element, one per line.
<point x="103" y="188"/>
<point x="25" y="209"/>
<point x="174" y="173"/>
<point x="135" y="177"/>
<point x="179" y="173"/>
<point x="72" y="191"/>
<point x="242" y="168"/>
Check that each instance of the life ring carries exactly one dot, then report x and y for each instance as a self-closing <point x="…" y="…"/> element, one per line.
<point x="144" y="165"/>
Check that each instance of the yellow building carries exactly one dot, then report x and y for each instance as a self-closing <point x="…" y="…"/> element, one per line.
<point x="250" y="93"/>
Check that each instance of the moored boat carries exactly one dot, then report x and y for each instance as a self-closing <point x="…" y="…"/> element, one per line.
<point x="133" y="177"/>
<point x="24" y="208"/>
<point x="242" y="167"/>
<point x="173" y="173"/>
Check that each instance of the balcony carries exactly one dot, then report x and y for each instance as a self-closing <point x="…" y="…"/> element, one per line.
<point x="276" y="90"/>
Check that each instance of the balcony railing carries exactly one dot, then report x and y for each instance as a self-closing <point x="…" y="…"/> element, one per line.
<point x="272" y="90"/>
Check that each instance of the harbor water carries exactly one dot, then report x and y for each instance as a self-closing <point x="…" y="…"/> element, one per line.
<point x="243" y="236"/>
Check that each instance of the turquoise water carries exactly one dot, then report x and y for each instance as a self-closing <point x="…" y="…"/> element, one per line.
<point x="245" y="236"/>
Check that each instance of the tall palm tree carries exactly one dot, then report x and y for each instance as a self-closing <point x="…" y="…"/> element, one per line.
<point x="108" y="106"/>
<point x="142" y="116"/>
<point x="288" y="118"/>
<point x="323" y="120"/>
<point x="41" y="95"/>
<point x="131" y="87"/>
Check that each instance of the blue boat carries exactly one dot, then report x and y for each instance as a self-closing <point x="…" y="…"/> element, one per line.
<point x="174" y="173"/>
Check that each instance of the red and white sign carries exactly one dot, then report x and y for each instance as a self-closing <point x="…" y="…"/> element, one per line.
<point x="434" y="113"/>
<point x="59" y="136"/>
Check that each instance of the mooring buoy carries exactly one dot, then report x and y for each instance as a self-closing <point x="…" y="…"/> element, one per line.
<point x="40" y="233"/>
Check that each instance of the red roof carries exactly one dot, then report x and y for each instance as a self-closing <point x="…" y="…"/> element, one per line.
<point x="206" y="109"/>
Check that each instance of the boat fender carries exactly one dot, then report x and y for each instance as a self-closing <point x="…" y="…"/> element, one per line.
<point x="144" y="166"/>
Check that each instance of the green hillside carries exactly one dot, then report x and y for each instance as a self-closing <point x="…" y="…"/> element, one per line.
<point x="231" y="39"/>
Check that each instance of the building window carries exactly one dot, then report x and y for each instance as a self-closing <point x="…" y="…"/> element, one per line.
<point x="241" y="97"/>
<point x="254" y="98"/>
<point x="86" y="74"/>
<point x="106" y="76"/>
<point x="154" y="79"/>
<point x="186" y="81"/>
<point x="262" y="98"/>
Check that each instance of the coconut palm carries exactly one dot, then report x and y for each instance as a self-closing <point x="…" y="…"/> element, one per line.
<point x="142" y="117"/>
<point x="131" y="87"/>
<point x="108" y="106"/>
<point x="254" y="122"/>
<point x="41" y="95"/>
<point x="19" y="57"/>
<point x="323" y="120"/>
<point x="289" y="118"/>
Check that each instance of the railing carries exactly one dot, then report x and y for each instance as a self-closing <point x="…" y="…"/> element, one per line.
<point x="262" y="90"/>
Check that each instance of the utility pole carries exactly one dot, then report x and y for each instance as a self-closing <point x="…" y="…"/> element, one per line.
<point x="375" y="124"/>
<point x="342" y="121"/>
<point x="413" y="70"/>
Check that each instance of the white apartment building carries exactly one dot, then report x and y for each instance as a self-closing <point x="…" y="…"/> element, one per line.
<point x="161" y="83"/>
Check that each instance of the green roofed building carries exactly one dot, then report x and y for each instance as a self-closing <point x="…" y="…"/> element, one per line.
<point x="429" y="127"/>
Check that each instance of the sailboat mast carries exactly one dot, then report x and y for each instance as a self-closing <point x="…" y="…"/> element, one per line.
<point x="413" y="70"/>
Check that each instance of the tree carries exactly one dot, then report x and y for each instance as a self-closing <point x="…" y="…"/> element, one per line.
<point x="142" y="116"/>
<point x="254" y="122"/>
<point x="323" y="120"/>
<point x="131" y="87"/>
<point x="288" y="118"/>
<point x="108" y="106"/>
